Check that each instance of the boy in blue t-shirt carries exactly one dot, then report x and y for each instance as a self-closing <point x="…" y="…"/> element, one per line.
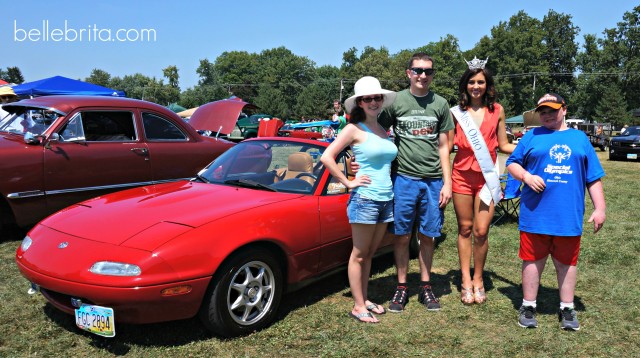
<point x="556" y="163"/>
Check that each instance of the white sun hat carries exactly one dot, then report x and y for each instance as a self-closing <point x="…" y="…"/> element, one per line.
<point x="367" y="86"/>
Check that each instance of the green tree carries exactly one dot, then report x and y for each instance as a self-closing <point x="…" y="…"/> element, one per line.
<point x="99" y="77"/>
<point x="612" y="107"/>
<point x="171" y="74"/>
<point x="237" y="71"/>
<point x="14" y="75"/>
<point x="560" y="53"/>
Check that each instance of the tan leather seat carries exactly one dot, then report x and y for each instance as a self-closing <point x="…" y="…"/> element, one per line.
<point x="298" y="163"/>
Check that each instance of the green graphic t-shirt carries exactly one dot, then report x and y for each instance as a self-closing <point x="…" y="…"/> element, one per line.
<point x="417" y="123"/>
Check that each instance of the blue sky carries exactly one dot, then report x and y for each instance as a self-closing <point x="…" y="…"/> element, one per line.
<point x="187" y="31"/>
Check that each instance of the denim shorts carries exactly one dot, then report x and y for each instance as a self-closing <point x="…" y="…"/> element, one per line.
<point x="416" y="199"/>
<point x="361" y="210"/>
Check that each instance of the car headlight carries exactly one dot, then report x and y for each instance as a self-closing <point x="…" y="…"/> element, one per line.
<point x="109" y="268"/>
<point x="26" y="243"/>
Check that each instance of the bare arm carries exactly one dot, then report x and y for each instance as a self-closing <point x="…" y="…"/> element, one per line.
<point x="535" y="182"/>
<point x="349" y="135"/>
<point x="503" y="141"/>
<point x="598" y="216"/>
<point x="443" y="150"/>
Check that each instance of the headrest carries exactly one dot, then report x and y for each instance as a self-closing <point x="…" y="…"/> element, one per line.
<point x="300" y="162"/>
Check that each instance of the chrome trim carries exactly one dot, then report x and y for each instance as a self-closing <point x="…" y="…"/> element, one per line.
<point x="33" y="193"/>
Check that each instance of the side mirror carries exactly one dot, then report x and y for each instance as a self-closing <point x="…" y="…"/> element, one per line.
<point x="31" y="138"/>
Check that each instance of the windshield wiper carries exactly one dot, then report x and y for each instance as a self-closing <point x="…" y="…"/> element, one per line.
<point x="201" y="178"/>
<point x="246" y="183"/>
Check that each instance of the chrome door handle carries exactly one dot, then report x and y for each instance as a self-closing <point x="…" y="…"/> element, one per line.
<point x="143" y="151"/>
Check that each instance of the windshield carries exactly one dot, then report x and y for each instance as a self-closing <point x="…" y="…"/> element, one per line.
<point x="268" y="165"/>
<point x="28" y="120"/>
<point x="632" y="131"/>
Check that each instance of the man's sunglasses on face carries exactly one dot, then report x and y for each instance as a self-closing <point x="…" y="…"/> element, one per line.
<point x="418" y="71"/>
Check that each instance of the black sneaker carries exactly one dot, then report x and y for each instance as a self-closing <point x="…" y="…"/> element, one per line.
<point x="427" y="298"/>
<point x="527" y="317"/>
<point x="568" y="319"/>
<point x="399" y="299"/>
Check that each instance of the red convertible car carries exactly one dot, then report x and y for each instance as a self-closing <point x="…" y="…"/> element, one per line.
<point x="264" y="218"/>
<point x="59" y="150"/>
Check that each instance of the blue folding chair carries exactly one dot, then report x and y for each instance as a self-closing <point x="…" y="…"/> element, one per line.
<point x="509" y="205"/>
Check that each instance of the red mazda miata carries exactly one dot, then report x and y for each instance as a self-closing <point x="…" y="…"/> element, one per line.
<point x="262" y="219"/>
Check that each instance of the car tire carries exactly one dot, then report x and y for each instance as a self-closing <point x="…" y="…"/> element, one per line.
<point x="244" y="294"/>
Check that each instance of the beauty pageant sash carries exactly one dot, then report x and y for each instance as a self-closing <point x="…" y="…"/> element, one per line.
<point x="491" y="189"/>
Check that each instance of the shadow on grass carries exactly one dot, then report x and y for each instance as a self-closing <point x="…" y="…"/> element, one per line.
<point x="177" y="333"/>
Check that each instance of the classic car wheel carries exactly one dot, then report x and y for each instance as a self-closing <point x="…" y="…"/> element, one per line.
<point x="244" y="295"/>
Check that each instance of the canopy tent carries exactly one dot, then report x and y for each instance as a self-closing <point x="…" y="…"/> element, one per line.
<point x="187" y="113"/>
<point x="531" y="118"/>
<point x="516" y="119"/>
<point x="2" y="83"/>
<point x="59" y="85"/>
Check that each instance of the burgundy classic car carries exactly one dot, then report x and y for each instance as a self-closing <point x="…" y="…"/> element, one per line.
<point x="59" y="150"/>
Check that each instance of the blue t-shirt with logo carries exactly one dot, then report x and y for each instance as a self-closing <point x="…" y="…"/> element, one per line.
<point x="567" y="162"/>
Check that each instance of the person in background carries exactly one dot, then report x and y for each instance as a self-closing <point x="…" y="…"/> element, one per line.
<point x="7" y="95"/>
<point x="556" y="164"/>
<point x="421" y="175"/>
<point x="480" y="130"/>
<point x="370" y="206"/>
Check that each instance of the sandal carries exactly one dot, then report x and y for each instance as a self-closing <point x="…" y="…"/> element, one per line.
<point x="479" y="296"/>
<point x="376" y="308"/>
<point x="359" y="317"/>
<point x="466" y="295"/>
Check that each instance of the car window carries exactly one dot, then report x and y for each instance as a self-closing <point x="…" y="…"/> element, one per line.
<point x="277" y="165"/>
<point x="334" y="186"/>
<point x="101" y="126"/>
<point x="72" y="130"/>
<point x="158" y="128"/>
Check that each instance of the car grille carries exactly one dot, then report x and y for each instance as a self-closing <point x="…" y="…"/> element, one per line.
<point x="61" y="298"/>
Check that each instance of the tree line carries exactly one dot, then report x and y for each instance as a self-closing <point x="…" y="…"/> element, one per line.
<point x="528" y="57"/>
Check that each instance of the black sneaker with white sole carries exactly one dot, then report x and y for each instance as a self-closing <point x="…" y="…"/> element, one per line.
<point x="399" y="299"/>
<point x="427" y="298"/>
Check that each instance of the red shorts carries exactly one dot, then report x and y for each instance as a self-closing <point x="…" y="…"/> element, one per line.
<point x="534" y="247"/>
<point x="467" y="182"/>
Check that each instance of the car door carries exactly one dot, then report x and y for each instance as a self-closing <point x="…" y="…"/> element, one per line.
<point x="97" y="151"/>
<point x="173" y="154"/>
<point x="335" y="227"/>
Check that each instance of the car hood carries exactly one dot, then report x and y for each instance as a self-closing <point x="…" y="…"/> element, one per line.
<point x="219" y="116"/>
<point x="147" y="217"/>
<point x="626" y="138"/>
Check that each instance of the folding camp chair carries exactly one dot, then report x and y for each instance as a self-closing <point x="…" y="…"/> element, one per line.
<point x="510" y="203"/>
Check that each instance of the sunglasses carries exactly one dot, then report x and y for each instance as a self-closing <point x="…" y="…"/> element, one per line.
<point x="378" y="98"/>
<point x="418" y="71"/>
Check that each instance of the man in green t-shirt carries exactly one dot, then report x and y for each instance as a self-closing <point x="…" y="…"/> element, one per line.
<point x="421" y="174"/>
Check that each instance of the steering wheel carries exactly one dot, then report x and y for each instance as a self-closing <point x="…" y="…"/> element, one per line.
<point x="306" y="175"/>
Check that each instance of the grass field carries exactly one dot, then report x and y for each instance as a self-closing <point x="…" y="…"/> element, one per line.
<point x="314" y="322"/>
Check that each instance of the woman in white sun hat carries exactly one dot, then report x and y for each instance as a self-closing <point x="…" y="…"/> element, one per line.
<point x="370" y="206"/>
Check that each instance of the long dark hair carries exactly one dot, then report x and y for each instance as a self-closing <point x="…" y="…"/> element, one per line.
<point x="357" y="114"/>
<point x="489" y="98"/>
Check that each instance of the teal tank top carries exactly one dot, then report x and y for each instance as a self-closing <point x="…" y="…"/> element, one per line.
<point x="375" y="155"/>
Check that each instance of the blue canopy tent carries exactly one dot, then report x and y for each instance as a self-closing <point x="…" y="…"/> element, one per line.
<point x="59" y="85"/>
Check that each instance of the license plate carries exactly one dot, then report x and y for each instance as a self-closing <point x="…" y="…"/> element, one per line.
<point x="96" y="319"/>
<point x="632" y="156"/>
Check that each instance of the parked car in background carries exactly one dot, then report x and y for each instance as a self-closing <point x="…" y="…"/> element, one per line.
<point x="598" y="133"/>
<point x="58" y="150"/>
<point x="264" y="218"/>
<point x="247" y="127"/>
<point x="626" y="145"/>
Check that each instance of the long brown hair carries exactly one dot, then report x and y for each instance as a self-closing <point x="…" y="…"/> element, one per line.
<point x="489" y="98"/>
